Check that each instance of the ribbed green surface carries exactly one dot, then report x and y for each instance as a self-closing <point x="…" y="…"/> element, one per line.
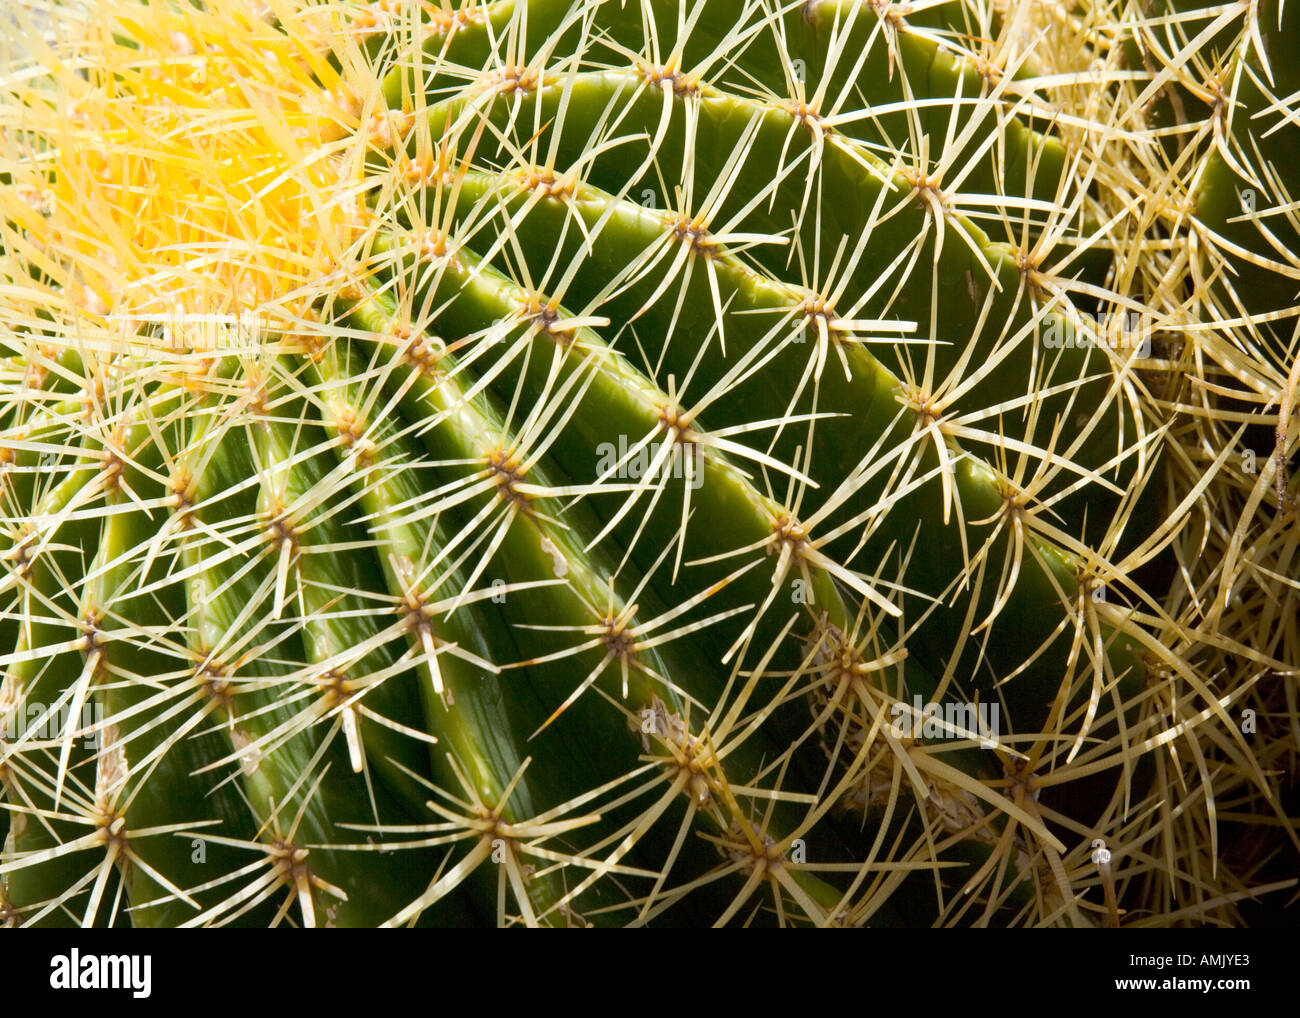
<point x="687" y="406"/>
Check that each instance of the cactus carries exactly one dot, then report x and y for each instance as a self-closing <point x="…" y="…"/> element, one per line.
<point x="620" y="464"/>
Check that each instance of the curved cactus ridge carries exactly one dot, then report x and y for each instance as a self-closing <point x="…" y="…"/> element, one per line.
<point x="524" y="463"/>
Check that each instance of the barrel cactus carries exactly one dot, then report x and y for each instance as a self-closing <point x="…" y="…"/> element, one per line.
<point x="737" y="462"/>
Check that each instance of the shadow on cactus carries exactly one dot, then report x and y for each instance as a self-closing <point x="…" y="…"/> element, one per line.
<point x="548" y="464"/>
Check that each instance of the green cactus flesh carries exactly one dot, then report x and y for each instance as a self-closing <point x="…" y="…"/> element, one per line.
<point x="519" y="464"/>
